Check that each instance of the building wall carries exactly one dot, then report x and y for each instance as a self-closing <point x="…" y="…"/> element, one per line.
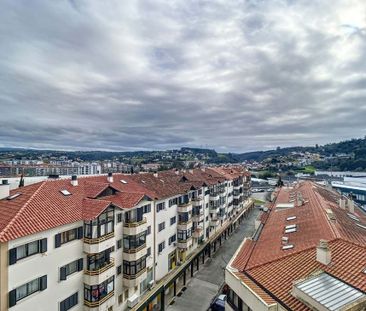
<point x="29" y="268"/>
<point x="3" y="276"/>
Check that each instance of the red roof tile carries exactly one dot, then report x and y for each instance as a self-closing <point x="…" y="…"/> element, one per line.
<point x="275" y="270"/>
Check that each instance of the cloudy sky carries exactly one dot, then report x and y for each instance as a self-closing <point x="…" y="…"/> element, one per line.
<point x="134" y="75"/>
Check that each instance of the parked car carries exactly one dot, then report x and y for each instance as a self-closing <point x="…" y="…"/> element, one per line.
<point x="218" y="303"/>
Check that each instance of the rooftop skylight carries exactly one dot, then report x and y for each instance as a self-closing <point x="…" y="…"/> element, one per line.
<point x="361" y="226"/>
<point x="123" y="181"/>
<point x="291" y="218"/>
<point x="290" y="227"/>
<point x="12" y="197"/>
<point x="65" y="192"/>
<point x="289" y="246"/>
<point x="291" y="230"/>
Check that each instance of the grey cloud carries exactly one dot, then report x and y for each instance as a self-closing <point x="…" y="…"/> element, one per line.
<point x="231" y="75"/>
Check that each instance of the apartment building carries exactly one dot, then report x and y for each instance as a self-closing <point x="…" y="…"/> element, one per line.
<point x="100" y="242"/>
<point x="309" y="253"/>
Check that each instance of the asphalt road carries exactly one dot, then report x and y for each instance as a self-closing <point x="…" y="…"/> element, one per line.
<point x="208" y="280"/>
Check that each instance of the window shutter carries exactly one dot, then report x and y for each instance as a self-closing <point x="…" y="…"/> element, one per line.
<point x="43" y="245"/>
<point x="62" y="273"/>
<point x="80" y="264"/>
<point x="80" y="233"/>
<point x="12" y="256"/>
<point x="58" y="240"/>
<point x="43" y="282"/>
<point x="12" y="298"/>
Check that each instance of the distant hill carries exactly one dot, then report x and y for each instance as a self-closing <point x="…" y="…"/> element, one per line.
<point x="354" y="148"/>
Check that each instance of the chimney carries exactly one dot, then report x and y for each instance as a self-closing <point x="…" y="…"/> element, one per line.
<point x="177" y="172"/>
<point x="74" y="180"/>
<point x="156" y="175"/>
<point x="351" y="206"/>
<point x="190" y="171"/>
<point x="342" y="203"/>
<point x="110" y="177"/>
<point x="323" y="253"/>
<point x="4" y="189"/>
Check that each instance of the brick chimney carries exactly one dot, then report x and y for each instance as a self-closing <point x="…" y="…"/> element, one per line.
<point x="323" y="253"/>
<point x="74" y="180"/>
<point x="110" y="177"/>
<point x="4" y="189"/>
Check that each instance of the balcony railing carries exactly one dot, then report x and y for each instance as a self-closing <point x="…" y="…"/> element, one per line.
<point x="95" y="304"/>
<point x="132" y="224"/>
<point x="102" y="269"/>
<point x="134" y="276"/>
<point x="98" y="240"/>
<point x="134" y="250"/>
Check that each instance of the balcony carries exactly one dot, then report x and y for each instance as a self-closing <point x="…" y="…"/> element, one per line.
<point x="197" y="199"/>
<point x="185" y="207"/>
<point x="222" y="190"/>
<point x="97" y="245"/>
<point x="99" y="305"/>
<point x="214" y="209"/>
<point x="98" y="276"/>
<point x="198" y="217"/>
<point x="134" y="254"/>
<point x="214" y="222"/>
<point x="198" y="233"/>
<point x="214" y="196"/>
<point x="134" y="227"/>
<point x="184" y="225"/>
<point x="132" y="280"/>
<point x="185" y="244"/>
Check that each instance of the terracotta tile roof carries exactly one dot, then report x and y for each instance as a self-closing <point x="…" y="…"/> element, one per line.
<point x="278" y="276"/>
<point x="255" y="288"/>
<point x="42" y="206"/>
<point x="93" y="208"/>
<point x="275" y="270"/>
<point x="243" y="255"/>
<point x="126" y="199"/>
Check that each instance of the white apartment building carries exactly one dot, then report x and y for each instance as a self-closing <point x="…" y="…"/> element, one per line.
<point x="100" y="242"/>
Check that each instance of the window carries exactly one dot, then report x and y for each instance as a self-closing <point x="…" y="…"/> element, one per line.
<point x="162" y="226"/>
<point x="119" y="269"/>
<point x="27" y="289"/>
<point x="173" y="202"/>
<point x="184" y="234"/>
<point x="119" y="217"/>
<point x="120" y="299"/>
<point x="132" y="242"/>
<point x="146" y="208"/>
<point x="148" y="231"/>
<point x="173" y="220"/>
<point x="96" y="293"/>
<point x="183" y="217"/>
<point x="134" y="215"/>
<point x="119" y="244"/>
<point x="26" y="250"/>
<point x="172" y="239"/>
<point x="134" y="267"/>
<point x="148" y="252"/>
<point x="71" y="268"/>
<point x="161" y="246"/>
<point x="68" y="236"/>
<point x="206" y="218"/>
<point x="101" y="226"/>
<point x="98" y="261"/>
<point x="160" y="207"/>
<point x="69" y="302"/>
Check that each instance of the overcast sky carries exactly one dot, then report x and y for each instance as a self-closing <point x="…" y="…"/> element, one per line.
<point x="134" y="75"/>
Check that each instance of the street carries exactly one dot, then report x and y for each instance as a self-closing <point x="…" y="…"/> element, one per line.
<point x="208" y="280"/>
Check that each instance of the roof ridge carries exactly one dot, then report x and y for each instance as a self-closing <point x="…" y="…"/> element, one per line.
<point x="3" y="232"/>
